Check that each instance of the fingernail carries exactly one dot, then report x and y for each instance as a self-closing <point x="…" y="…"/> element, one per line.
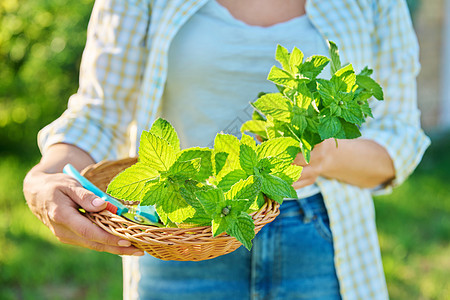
<point x="139" y="253"/>
<point x="124" y="243"/>
<point x="98" y="202"/>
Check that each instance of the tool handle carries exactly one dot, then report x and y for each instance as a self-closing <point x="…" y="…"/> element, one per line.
<point x="113" y="205"/>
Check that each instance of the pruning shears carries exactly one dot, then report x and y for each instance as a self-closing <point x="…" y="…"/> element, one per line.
<point x="145" y="215"/>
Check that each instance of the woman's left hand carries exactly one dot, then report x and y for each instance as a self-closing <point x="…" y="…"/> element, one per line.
<point x="320" y="157"/>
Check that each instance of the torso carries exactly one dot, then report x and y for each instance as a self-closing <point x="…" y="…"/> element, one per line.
<point x="264" y="13"/>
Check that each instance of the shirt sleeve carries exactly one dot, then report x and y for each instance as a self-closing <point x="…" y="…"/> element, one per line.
<point x="99" y="114"/>
<point x="396" y="122"/>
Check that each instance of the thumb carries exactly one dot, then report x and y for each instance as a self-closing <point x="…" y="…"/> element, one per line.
<point x="86" y="199"/>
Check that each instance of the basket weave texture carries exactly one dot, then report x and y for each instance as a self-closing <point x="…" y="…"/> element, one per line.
<point x="183" y="244"/>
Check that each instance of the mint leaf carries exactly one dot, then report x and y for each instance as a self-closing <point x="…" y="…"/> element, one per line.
<point x="220" y="158"/>
<point x="304" y="96"/>
<point x="258" y="203"/>
<point x="201" y="218"/>
<point x="243" y="229"/>
<point x="370" y="85"/>
<point x="306" y="146"/>
<point x="184" y="169"/>
<point x="229" y="144"/>
<point x="156" y="152"/>
<point x="188" y="190"/>
<point x="276" y="188"/>
<point x="313" y="66"/>
<point x="129" y="184"/>
<point x="327" y="92"/>
<point x="351" y="130"/>
<point x="235" y="207"/>
<point x="231" y="178"/>
<point x="212" y="200"/>
<point x="281" y="77"/>
<point x="154" y="192"/>
<point x="329" y="127"/>
<point x="198" y="219"/>
<point x="248" y="158"/>
<point x="204" y="154"/>
<point x="245" y="189"/>
<point x="264" y="166"/>
<point x="169" y="203"/>
<point x="227" y="215"/>
<point x="282" y="147"/>
<point x="282" y="56"/>
<point x="290" y="174"/>
<point x="249" y="141"/>
<point x="361" y="100"/>
<point x="256" y="115"/>
<point x="257" y="127"/>
<point x="353" y="113"/>
<point x="221" y="224"/>
<point x="344" y="80"/>
<point x="295" y="60"/>
<point x="334" y="55"/>
<point x="299" y="123"/>
<point x="163" y="129"/>
<point x="366" y="71"/>
<point x="275" y="105"/>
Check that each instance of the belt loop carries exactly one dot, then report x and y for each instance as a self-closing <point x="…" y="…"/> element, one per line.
<point x="308" y="213"/>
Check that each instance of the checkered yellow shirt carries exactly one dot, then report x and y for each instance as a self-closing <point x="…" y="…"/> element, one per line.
<point x="123" y="72"/>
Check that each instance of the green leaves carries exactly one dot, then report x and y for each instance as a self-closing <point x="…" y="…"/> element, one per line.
<point x="275" y="105"/>
<point x="228" y="211"/>
<point x="334" y="55"/>
<point x="163" y="129"/>
<point x="129" y="185"/>
<point x="311" y="109"/>
<point x="370" y="85"/>
<point x="161" y="175"/>
<point x="156" y="152"/>
<point x="209" y="187"/>
<point x="247" y="158"/>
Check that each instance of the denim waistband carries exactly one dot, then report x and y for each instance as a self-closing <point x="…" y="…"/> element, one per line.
<point x="308" y="207"/>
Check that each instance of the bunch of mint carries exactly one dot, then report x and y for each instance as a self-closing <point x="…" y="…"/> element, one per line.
<point x="217" y="187"/>
<point x="311" y="109"/>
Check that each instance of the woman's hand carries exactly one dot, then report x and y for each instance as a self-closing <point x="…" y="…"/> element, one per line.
<point x="320" y="157"/>
<point x="359" y="162"/>
<point x="55" y="199"/>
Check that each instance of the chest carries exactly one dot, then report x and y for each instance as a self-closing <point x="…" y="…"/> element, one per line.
<point x="264" y="12"/>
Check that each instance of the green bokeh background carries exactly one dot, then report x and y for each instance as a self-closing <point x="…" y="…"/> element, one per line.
<point x="41" y="43"/>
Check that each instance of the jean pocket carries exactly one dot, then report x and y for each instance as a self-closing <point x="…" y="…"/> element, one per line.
<point x="322" y="224"/>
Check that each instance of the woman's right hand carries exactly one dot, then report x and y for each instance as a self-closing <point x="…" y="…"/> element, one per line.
<point x="55" y="198"/>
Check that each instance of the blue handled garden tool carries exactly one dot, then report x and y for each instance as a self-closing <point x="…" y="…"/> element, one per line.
<point x="145" y="215"/>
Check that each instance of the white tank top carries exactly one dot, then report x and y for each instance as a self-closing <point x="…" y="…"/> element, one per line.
<point x="218" y="65"/>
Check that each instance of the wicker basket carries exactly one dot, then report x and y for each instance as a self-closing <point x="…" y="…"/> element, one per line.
<point x="186" y="244"/>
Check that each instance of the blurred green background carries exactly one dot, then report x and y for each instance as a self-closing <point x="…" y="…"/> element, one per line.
<point x="41" y="43"/>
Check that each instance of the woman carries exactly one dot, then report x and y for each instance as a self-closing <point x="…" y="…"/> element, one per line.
<point x="198" y="63"/>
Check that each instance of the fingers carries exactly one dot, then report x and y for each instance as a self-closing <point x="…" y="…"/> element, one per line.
<point x="299" y="160"/>
<point x="84" y="198"/>
<point x="67" y="237"/>
<point x="72" y="228"/>
<point x="308" y="177"/>
<point x="55" y="199"/>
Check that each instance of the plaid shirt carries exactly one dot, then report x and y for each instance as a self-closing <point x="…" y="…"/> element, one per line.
<point x="123" y="72"/>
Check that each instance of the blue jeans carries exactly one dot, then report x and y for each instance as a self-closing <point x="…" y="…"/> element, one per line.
<point x="291" y="258"/>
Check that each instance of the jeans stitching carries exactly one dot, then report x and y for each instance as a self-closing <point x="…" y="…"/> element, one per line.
<point x="322" y="228"/>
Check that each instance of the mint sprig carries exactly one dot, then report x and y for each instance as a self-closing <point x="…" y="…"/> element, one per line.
<point x="311" y="109"/>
